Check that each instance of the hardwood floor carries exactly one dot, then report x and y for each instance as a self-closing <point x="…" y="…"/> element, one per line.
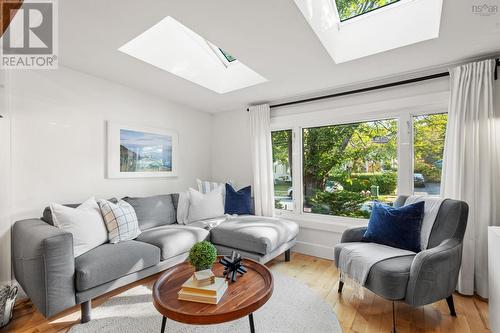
<point x="372" y="314"/>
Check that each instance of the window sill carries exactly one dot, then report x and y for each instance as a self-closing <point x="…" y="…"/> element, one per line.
<point x="337" y="224"/>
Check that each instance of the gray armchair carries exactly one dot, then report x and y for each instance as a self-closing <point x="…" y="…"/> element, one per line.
<point x="430" y="275"/>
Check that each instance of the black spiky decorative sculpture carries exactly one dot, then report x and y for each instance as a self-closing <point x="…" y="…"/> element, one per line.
<point x="233" y="266"/>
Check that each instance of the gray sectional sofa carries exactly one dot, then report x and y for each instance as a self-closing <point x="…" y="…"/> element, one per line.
<point x="45" y="267"/>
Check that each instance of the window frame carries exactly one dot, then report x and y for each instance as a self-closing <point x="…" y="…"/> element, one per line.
<point x="403" y="115"/>
<point x="226" y="54"/>
<point x="217" y="52"/>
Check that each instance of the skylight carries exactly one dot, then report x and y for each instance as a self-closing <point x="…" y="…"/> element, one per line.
<point x="226" y="55"/>
<point x="348" y="9"/>
<point x="173" y="47"/>
<point x="401" y="23"/>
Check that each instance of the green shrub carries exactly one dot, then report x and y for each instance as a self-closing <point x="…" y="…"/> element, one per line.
<point x="202" y="255"/>
<point x="340" y="203"/>
<point x="278" y="204"/>
<point x="357" y="182"/>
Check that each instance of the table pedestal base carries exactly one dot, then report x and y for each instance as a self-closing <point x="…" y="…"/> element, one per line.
<point x="250" y="319"/>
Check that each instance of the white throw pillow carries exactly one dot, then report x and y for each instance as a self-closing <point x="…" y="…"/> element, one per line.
<point x="84" y="222"/>
<point x="183" y="208"/>
<point x="205" y="206"/>
<point x="121" y="221"/>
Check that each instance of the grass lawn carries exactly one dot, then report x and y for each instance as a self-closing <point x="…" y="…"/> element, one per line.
<point x="281" y="189"/>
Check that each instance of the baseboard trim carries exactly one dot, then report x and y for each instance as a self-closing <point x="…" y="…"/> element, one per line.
<point x="315" y="250"/>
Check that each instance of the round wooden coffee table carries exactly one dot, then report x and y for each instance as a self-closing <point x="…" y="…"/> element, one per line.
<point x="242" y="298"/>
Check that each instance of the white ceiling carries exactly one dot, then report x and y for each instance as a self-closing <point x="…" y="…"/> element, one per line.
<point x="270" y="36"/>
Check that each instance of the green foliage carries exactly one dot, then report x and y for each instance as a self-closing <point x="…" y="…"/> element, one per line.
<point x="347" y="149"/>
<point x="341" y="203"/>
<point x="357" y="182"/>
<point x="278" y="204"/>
<point x="429" y="171"/>
<point x="202" y="255"/>
<point x="429" y="138"/>
<point x="352" y="8"/>
<point x="282" y="147"/>
<point x="281" y="188"/>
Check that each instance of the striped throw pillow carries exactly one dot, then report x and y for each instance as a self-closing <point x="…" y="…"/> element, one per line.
<point x="120" y="219"/>
<point x="205" y="186"/>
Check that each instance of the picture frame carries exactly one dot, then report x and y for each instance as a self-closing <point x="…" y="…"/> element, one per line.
<point x="141" y="151"/>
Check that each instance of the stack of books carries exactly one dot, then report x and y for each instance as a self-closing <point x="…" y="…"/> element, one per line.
<point x="203" y="287"/>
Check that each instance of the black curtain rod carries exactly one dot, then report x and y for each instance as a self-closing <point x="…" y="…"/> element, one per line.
<point x="382" y="86"/>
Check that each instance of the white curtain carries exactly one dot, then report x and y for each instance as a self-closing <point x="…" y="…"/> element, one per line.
<point x="471" y="165"/>
<point x="262" y="159"/>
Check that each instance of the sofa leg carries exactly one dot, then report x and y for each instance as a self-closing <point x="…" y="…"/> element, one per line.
<point x="86" y="309"/>
<point x="393" y="317"/>
<point x="451" y="305"/>
<point x="287" y="255"/>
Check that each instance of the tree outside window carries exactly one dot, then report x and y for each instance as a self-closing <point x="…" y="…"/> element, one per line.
<point x="351" y="8"/>
<point x="282" y="169"/>
<point x="347" y="167"/>
<point x="429" y="132"/>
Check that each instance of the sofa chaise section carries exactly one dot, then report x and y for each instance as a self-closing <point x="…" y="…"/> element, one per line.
<point x="256" y="237"/>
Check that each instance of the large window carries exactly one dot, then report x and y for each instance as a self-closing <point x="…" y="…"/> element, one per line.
<point x="347" y="167"/>
<point x="342" y="169"/>
<point x="348" y="9"/>
<point x="282" y="169"/>
<point x="428" y="145"/>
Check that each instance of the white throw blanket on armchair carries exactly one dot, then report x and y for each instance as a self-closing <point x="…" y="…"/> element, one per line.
<point x="357" y="259"/>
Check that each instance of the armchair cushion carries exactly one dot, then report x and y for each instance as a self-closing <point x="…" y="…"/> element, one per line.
<point x="396" y="227"/>
<point x="388" y="278"/>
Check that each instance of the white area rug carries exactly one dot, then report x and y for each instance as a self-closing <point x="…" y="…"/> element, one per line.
<point x="293" y="307"/>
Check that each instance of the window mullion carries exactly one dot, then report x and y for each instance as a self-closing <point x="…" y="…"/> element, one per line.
<point x="405" y="164"/>
<point x="297" y="170"/>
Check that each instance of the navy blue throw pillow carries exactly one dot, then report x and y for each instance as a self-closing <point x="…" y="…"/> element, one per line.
<point x="238" y="202"/>
<point x="396" y="227"/>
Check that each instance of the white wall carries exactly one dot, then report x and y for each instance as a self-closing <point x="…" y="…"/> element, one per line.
<point x="5" y="187"/>
<point x="59" y="139"/>
<point x="231" y="158"/>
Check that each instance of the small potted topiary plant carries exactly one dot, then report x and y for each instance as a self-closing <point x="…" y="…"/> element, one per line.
<point x="202" y="255"/>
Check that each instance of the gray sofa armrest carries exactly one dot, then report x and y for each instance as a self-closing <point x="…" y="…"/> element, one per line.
<point x="44" y="265"/>
<point x="353" y="235"/>
<point x="434" y="273"/>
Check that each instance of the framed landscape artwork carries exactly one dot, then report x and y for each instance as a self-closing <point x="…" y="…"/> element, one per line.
<point x="137" y="152"/>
